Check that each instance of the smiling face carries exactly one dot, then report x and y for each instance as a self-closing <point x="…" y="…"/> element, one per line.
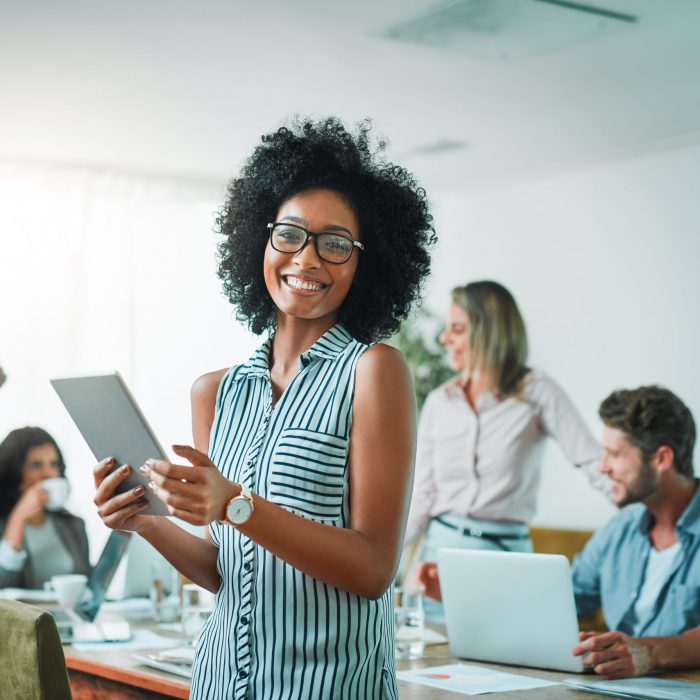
<point x="301" y="284"/>
<point x="633" y="477"/>
<point x="42" y="462"/>
<point x="455" y="338"/>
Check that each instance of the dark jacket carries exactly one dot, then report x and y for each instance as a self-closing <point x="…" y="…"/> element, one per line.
<point x="71" y="530"/>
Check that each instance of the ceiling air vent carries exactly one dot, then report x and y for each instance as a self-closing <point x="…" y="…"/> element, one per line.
<point x="503" y="30"/>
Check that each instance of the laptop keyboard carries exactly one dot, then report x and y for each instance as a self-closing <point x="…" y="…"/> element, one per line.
<point x="62" y="616"/>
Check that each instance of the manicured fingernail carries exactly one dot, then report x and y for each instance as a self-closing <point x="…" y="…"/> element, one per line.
<point x="139" y="490"/>
<point x="109" y="460"/>
<point x="144" y="469"/>
<point x="125" y="469"/>
<point x="150" y="462"/>
<point x="151" y="484"/>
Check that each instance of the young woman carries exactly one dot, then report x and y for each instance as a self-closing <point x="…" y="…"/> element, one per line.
<point x="311" y="442"/>
<point x="36" y="543"/>
<point x="481" y="434"/>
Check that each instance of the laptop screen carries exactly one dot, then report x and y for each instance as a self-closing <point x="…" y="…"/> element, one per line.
<point x="102" y="574"/>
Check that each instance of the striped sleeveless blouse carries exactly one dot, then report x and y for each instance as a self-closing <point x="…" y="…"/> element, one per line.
<point x="276" y="633"/>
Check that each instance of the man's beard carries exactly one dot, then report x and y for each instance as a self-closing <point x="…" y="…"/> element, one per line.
<point x="644" y="485"/>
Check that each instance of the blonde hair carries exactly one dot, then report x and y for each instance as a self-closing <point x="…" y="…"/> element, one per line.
<point x="497" y="334"/>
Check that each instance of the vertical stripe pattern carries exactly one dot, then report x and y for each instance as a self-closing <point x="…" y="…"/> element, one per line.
<point x="276" y="633"/>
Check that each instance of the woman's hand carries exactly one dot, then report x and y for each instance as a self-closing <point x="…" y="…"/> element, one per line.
<point x="428" y="580"/>
<point x="31" y="503"/>
<point x="196" y="494"/>
<point x="120" y="511"/>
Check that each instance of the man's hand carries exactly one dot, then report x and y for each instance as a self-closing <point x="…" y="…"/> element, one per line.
<point x="428" y="579"/>
<point x="614" y="654"/>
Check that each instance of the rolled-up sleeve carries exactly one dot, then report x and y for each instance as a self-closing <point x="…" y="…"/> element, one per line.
<point x="423" y="484"/>
<point x="11" y="565"/>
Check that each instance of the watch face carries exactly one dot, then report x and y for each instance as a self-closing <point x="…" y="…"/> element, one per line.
<point x="239" y="510"/>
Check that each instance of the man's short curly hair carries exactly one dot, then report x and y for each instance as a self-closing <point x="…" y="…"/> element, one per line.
<point x="650" y="417"/>
<point x="392" y="212"/>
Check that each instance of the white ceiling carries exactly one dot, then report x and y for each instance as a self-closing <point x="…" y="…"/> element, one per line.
<point x="186" y="88"/>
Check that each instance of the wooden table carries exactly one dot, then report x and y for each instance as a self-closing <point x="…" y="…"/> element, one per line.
<point x="114" y="675"/>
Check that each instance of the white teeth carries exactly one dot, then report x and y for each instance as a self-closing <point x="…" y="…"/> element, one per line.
<point x="301" y="284"/>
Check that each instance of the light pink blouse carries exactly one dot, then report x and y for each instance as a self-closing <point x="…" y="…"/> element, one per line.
<point x="486" y="463"/>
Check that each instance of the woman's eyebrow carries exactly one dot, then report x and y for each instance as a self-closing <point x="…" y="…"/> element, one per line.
<point x="296" y="220"/>
<point x="334" y="227"/>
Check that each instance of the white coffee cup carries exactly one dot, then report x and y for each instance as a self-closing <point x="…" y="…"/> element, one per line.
<point x="58" y="490"/>
<point x="68" y="588"/>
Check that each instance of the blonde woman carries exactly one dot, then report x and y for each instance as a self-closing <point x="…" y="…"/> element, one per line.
<point x="481" y="434"/>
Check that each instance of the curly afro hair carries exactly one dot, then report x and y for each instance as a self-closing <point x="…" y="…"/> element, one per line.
<point x="392" y="211"/>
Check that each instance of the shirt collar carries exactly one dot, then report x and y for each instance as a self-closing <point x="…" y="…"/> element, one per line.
<point x="328" y="347"/>
<point x="485" y="400"/>
<point x="690" y="519"/>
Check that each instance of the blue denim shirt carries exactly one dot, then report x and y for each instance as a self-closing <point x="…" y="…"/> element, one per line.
<point x="609" y="573"/>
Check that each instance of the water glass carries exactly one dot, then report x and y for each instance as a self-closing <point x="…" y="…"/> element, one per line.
<point x="197" y="604"/>
<point x="408" y="623"/>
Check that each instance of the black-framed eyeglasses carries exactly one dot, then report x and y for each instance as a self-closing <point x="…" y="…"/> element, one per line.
<point x="332" y="247"/>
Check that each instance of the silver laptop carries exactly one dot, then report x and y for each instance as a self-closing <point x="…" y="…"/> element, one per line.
<point x="78" y="624"/>
<point x="510" y="607"/>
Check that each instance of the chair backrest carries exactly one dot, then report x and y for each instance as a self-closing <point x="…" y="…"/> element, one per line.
<point x="568" y="542"/>
<point x="32" y="664"/>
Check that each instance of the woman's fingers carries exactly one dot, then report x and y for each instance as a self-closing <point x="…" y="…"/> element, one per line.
<point x="120" y="501"/>
<point x="192" y="455"/>
<point x="118" y="519"/>
<point x="101" y="469"/>
<point x="167" y="470"/>
<point x="178" y="501"/>
<point x="105" y="490"/>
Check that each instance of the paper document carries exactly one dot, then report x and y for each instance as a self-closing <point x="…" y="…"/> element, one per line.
<point x="471" y="680"/>
<point x="642" y="688"/>
<point x="141" y="639"/>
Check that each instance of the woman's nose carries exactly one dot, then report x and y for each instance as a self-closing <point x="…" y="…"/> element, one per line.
<point x="49" y="471"/>
<point x="307" y="256"/>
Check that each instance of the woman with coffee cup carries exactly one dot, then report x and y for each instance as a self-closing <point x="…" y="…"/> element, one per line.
<point x="39" y="538"/>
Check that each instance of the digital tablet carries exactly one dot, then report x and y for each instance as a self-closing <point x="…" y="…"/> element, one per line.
<point x="112" y="425"/>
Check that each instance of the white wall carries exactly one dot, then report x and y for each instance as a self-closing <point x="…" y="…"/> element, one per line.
<point x="603" y="263"/>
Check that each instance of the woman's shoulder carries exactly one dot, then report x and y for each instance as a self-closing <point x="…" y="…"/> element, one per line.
<point x="381" y="365"/>
<point x="379" y="359"/>
<point x="540" y="386"/>
<point x="207" y="384"/>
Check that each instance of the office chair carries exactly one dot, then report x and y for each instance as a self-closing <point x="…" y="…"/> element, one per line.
<point x="32" y="664"/>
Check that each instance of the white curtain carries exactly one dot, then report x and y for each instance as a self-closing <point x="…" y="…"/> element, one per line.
<point x="103" y="271"/>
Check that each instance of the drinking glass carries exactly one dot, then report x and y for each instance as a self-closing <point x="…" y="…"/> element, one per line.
<point x="197" y="604"/>
<point x="408" y="623"/>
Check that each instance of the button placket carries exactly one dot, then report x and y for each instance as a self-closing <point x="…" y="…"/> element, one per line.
<point x="243" y="640"/>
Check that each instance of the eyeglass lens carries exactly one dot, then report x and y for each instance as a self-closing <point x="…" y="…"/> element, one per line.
<point x="329" y="246"/>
